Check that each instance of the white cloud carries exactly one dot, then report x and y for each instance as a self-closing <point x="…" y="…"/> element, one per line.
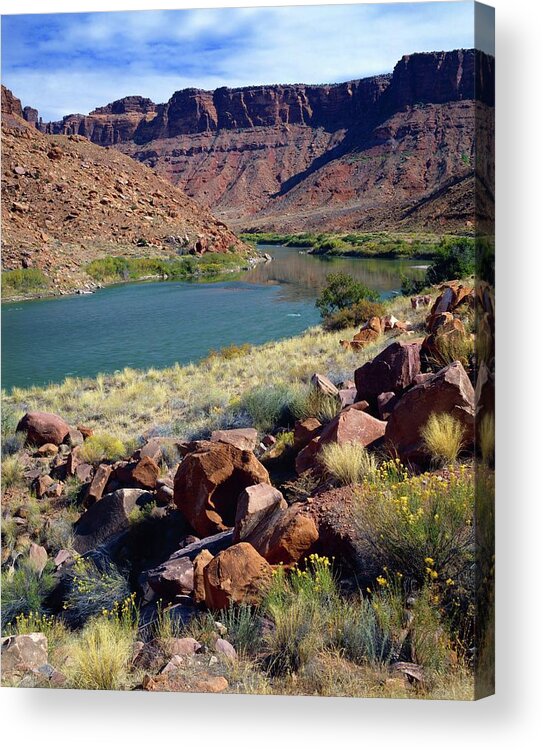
<point x="155" y="53"/>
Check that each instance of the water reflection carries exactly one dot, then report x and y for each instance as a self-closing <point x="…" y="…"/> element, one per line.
<point x="302" y="275"/>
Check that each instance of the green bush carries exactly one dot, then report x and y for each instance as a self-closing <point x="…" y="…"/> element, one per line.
<point x="102" y="447"/>
<point x="342" y="291"/>
<point x="243" y="628"/>
<point x="456" y="259"/>
<point x="354" y="315"/>
<point x="348" y="464"/>
<point x="273" y="406"/>
<point x="93" y="587"/>
<point x="23" y="280"/>
<point x="25" y="591"/>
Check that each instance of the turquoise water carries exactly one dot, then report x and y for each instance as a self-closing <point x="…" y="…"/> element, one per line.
<point x="156" y="324"/>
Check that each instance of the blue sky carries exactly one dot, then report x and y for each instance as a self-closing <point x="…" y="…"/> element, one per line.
<point x="65" y="63"/>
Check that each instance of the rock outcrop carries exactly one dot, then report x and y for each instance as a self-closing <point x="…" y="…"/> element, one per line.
<point x="66" y="202"/>
<point x="262" y="156"/>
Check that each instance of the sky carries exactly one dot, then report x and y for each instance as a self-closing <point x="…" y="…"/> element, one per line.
<point x="68" y="63"/>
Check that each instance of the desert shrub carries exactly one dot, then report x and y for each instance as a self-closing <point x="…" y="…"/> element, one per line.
<point x="354" y="315"/>
<point x="364" y="630"/>
<point x="458" y="346"/>
<point x="342" y="291"/>
<point x="272" y="406"/>
<point x="299" y="603"/>
<point x="314" y="403"/>
<point x="486" y="433"/>
<point x="232" y="351"/>
<point x="455" y="259"/>
<point x="12" y="472"/>
<point x="12" y="441"/>
<point x="406" y="521"/>
<point x="25" y="591"/>
<point x="102" y="447"/>
<point x="443" y="438"/>
<point x="73" y="488"/>
<point x="57" y="534"/>
<point x="99" y="659"/>
<point x="243" y="628"/>
<point x="349" y="463"/>
<point x="94" y="587"/>
<point x="165" y="626"/>
<point x="23" y="280"/>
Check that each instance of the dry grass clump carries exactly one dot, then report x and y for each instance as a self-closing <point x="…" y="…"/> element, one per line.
<point x="349" y="463"/>
<point x="99" y="658"/>
<point x="443" y="438"/>
<point x="12" y="472"/>
<point x="102" y="447"/>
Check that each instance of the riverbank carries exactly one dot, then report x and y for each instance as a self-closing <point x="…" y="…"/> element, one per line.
<point x="31" y="283"/>
<point x="390" y="245"/>
<point x="192" y="400"/>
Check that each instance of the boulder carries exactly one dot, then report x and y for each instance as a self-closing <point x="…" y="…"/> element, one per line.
<point x="208" y="484"/>
<point x="84" y="472"/>
<point x="394" y="369"/>
<point x="145" y="473"/>
<point x="421" y="300"/>
<point x="436" y="342"/>
<point x="181" y="646"/>
<point x="244" y="438"/>
<point x="353" y="426"/>
<point x="152" y="449"/>
<point x="364" y="337"/>
<point x="173" y="577"/>
<point x="48" y="449"/>
<point x="87" y="432"/>
<point x="164" y="495"/>
<point x="386" y="403"/>
<point x="323" y="384"/>
<point x="23" y="653"/>
<point x="347" y="396"/>
<point x="226" y="649"/>
<point x="42" y="427"/>
<point x="374" y="324"/>
<point x="305" y="431"/>
<point x="98" y="484"/>
<point x="285" y="537"/>
<point x="200" y="562"/>
<point x="255" y="504"/>
<point x="37" y="557"/>
<point x="448" y="391"/>
<point x="237" y="575"/>
<point x="306" y="458"/>
<point x="75" y="438"/>
<point x="108" y="518"/>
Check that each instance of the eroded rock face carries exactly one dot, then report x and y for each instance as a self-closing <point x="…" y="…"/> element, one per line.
<point x="238" y="575"/>
<point x="285" y="537"/>
<point x="23" y="653"/>
<point x="42" y="427"/>
<point x="244" y="438"/>
<point x="256" y="504"/>
<point x="107" y="518"/>
<point x="173" y="577"/>
<point x="448" y="391"/>
<point x="394" y="369"/>
<point x="208" y="484"/>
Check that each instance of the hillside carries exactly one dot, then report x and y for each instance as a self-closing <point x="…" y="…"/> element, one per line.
<point x="391" y="151"/>
<point x="66" y="201"/>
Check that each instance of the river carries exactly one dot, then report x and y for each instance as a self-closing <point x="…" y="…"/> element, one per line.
<point x="155" y="324"/>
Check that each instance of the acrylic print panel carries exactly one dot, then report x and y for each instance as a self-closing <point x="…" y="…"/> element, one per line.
<point x="248" y="350"/>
